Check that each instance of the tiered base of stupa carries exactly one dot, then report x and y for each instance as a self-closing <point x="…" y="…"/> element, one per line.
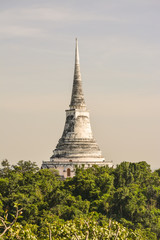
<point x="69" y="155"/>
<point x="76" y="147"/>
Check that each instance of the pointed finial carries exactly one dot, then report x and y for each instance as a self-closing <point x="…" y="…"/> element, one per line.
<point x="77" y="53"/>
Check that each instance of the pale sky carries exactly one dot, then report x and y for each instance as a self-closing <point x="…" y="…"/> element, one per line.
<point x="119" y="44"/>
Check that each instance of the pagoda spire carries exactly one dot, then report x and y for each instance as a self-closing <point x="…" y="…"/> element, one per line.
<point x="77" y="99"/>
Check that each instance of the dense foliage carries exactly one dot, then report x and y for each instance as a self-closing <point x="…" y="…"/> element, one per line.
<point x="98" y="203"/>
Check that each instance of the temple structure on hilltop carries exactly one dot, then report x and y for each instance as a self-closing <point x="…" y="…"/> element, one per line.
<point x="77" y="146"/>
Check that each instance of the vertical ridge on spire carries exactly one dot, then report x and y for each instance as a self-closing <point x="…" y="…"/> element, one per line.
<point x="77" y="99"/>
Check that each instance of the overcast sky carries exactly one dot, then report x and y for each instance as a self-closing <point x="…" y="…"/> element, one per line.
<point x="119" y="44"/>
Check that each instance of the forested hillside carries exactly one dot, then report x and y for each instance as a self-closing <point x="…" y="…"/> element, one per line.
<point x="98" y="203"/>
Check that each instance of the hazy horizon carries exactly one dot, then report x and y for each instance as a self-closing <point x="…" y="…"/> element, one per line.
<point x="119" y="46"/>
